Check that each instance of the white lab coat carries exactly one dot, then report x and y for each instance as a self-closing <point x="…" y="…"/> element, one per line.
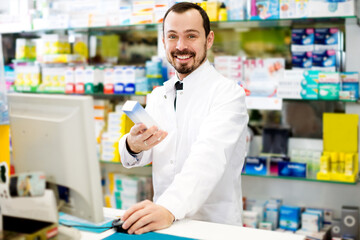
<point x="197" y="167"/>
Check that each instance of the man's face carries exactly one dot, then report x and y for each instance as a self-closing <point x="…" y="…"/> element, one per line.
<point x="185" y="42"/>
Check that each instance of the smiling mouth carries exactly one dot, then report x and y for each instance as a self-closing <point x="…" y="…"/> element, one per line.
<point x="183" y="57"/>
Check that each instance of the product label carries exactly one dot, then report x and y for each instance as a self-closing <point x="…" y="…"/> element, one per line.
<point x="301" y="60"/>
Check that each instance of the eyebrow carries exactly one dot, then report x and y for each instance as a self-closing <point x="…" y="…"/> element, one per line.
<point x="186" y="31"/>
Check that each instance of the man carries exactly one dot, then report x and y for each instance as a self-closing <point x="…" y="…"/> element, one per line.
<point x="198" y="150"/>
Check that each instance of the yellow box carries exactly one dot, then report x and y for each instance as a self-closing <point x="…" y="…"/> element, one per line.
<point x="5" y="146"/>
<point x="340" y="132"/>
<point x="323" y="176"/>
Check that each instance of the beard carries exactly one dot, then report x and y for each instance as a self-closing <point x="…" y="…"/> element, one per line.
<point x="184" y="68"/>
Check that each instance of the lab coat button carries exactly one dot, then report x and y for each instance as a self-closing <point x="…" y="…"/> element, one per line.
<point x="181" y="93"/>
<point x="165" y="96"/>
<point x="171" y="161"/>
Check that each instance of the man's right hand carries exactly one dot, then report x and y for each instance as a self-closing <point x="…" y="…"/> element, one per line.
<point x="141" y="139"/>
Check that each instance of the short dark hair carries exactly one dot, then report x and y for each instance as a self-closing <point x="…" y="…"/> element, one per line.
<point x="185" y="6"/>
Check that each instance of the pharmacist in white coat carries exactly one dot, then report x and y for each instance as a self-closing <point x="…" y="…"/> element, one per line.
<point x="197" y="153"/>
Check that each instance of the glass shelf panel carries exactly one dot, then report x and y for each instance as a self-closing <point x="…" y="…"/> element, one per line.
<point x="299" y="179"/>
<point x="100" y="95"/>
<point x="119" y="163"/>
<point x="267" y="176"/>
<point x="217" y="24"/>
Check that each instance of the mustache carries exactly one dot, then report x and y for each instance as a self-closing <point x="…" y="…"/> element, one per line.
<point x="184" y="52"/>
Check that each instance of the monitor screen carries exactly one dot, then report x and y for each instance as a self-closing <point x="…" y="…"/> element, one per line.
<point x="55" y="134"/>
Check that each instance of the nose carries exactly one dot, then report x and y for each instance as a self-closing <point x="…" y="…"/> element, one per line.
<point x="181" y="44"/>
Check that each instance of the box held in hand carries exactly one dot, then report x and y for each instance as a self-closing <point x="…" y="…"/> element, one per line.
<point x="138" y="114"/>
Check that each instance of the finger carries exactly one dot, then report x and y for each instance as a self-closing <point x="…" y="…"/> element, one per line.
<point x="147" y="228"/>
<point x="134" y="218"/>
<point x="148" y="133"/>
<point x="131" y="210"/>
<point x="156" y="138"/>
<point x="141" y="222"/>
<point x="138" y="129"/>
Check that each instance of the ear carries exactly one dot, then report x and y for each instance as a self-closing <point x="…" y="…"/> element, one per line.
<point x="210" y="39"/>
<point x="163" y="41"/>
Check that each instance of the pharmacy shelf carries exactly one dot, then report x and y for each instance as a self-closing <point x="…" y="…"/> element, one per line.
<point x="298" y="179"/>
<point x="95" y="95"/>
<point x="282" y="22"/>
<point x="119" y="163"/>
<point x="215" y="24"/>
<point x="321" y="100"/>
<point x="262" y="176"/>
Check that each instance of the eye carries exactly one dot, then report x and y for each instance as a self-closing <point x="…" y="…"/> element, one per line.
<point x="191" y="36"/>
<point x="172" y="37"/>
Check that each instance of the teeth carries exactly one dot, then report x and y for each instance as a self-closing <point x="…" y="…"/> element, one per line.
<point x="183" y="57"/>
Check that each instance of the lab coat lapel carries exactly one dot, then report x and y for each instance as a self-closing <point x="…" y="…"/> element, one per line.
<point x="168" y="102"/>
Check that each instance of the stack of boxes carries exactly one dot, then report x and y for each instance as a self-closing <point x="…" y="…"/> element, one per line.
<point x="339" y="159"/>
<point x="27" y="77"/>
<point x="154" y="77"/>
<point x="309" y="157"/>
<point x="230" y="67"/>
<point x="122" y="79"/>
<point x="101" y="109"/>
<point x="312" y="222"/>
<point x="310" y="8"/>
<point x="142" y="12"/>
<point x="53" y="79"/>
<point x="25" y="49"/>
<point x="262" y="214"/>
<point x="55" y="48"/>
<point x="125" y="191"/>
<point x="316" y="60"/>
<point x="262" y="76"/>
<point x="316" y="49"/>
<point x="118" y="124"/>
<point x="294" y="9"/>
<point x="112" y="13"/>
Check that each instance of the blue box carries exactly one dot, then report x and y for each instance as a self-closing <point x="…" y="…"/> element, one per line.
<point x="320" y="212"/>
<point x="290" y="217"/>
<point x="256" y="165"/>
<point x="302" y="40"/>
<point x="327" y="39"/>
<point x="292" y="169"/>
<point x="119" y="88"/>
<point x="302" y="60"/>
<point x="324" y="60"/>
<point x="350" y="82"/>
<point x="264" y="9"/>
<point x="274" y="164"/>
<point x="272" y="212"/>
<point x="129" y="88"/>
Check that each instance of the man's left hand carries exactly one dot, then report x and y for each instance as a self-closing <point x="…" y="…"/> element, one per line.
<point x="146" y="216"/>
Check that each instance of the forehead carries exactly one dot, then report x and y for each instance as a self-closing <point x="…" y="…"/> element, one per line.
<point x="181" y="22"/>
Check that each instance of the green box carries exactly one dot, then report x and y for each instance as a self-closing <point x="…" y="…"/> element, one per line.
<point x="329" y="91"/>
<point x="311" y="79"/>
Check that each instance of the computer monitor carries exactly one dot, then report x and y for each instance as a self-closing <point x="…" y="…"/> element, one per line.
<point x="55" y="134"/>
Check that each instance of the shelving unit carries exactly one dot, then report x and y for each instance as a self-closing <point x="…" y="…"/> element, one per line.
<point x="294" y="191"/>
<point x="297" y="179"/>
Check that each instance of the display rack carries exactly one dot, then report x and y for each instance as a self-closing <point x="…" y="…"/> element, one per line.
<point x="329" y="194"/>
<point x="298" y="179"/>
<point x="216" y="24"/>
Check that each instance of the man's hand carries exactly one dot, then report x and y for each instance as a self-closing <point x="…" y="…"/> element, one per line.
<point x="140" y="138"/>
<point x="146" y="216"/>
